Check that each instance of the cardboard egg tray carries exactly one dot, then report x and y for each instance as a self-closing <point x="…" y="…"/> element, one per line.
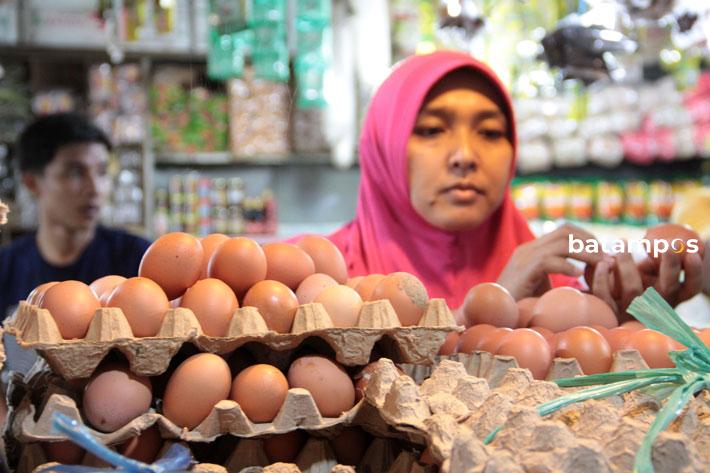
<point x="493" y="367"/>
<point x="34" y="458"/>
<point x="452" y="411"/>
<point x="249" y="457"/>
<point x="35" y="328"/>
<point x="298" y="411"/>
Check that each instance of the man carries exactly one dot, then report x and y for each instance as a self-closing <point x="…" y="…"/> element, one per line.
<point x="63" y="160"/>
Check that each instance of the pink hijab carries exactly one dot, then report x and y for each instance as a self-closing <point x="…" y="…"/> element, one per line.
<point x="387" y="234"/>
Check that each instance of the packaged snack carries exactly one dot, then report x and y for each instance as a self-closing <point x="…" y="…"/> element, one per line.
<point x="554" y="200"/>
<point x="635" y="202"/>
<point x="609" y="202"/>
<point x="581" y="201"/>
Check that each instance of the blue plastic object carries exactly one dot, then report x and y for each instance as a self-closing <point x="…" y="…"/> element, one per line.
<point x="176" y="460"/>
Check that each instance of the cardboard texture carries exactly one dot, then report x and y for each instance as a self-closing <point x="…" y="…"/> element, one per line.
<point x="35" y="328"/>
<point x="298" y="411"/>
<point x="452" y="411"/>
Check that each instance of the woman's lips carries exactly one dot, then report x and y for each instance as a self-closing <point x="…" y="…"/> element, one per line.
<point x="464" y="193"/>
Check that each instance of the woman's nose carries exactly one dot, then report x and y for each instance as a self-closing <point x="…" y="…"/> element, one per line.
<point x="463" y="157"/>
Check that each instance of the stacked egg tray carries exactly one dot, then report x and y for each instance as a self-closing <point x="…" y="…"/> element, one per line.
<point x="316" y="456"/>
<point x="451" y="410"/>
<point x="35" y="329"/>
<point x="378" y="332"/>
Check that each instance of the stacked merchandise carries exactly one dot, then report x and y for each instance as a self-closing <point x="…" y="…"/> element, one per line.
<point x="201" y="205"/>
<point x="241" y="388"/>
<point x="606" y="124"/>
<point x="313" y="350"/>
<point x="633" y="202"/>
<point x="258" y="116"/>
<point x="14" y="113"/>
<point x="186" y="118"/>
<point x="118" y="104"/>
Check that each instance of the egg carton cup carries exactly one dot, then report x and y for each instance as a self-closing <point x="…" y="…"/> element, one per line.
<point x="34" y="459"/>
<point x="36" y="329"/>
<point x="452" y="411"/>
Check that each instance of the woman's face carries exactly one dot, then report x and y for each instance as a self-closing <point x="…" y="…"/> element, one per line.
<point x="459" y="153"/>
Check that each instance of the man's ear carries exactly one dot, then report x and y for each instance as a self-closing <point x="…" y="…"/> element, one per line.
<point x="31" y="181"/>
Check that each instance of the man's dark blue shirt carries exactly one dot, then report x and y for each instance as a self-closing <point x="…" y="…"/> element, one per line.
<point x="22" y="267"/>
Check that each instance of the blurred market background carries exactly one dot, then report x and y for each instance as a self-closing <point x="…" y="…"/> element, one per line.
<point x="242" y="116"/>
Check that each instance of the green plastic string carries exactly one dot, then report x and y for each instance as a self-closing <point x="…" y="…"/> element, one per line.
<point x="674" y="385"/>
<point x="672" y="409"/>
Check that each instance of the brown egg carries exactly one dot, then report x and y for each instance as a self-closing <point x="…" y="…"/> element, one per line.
<point x="672" y="231"/>
<point x="144" y="447"/>
<point x="588" y="346"/>
<point x="174" y="261"/>
<point x="329" y="384"/>
<point x="492" y="340"/>
<point x="490" y="303"/>
<point x="326" y="256"/>
<point x="601" y="329"/>
<point x="350" y="445"/>
<point x="549" y="335"/>
<point x="617" y="337"/>
<point x="288" y="264"/>
<point x="451" y="341"/>
<point x="525" y="310"/>
<point x="213" y="303"/>
<point x="194" y="388"/>
<point x="210" y="243"/>
<point x="368" y="284"/>
<point x="407" y="295"/>
<point x="72" y="305"/>
<point x="633" y="325"/>
<point x="470" y="338"/>
<point x="362" y="378"/>
<point x="561" y="308"/>
<point x="103" y="286"/>
<point x="240" y="262"/>
<point x="530" y="349"/>
<point x="600" y="313"/>
<point x="353" y="282"/>
<point x="342" y="303"/>
<point x="114" y="396"/>
<point x="65" y="452"/>
<point x="143" y="303"/>
<point x="704" y="336"/>
<point x="37" y="294"/>
<point x="284" y="447"/>
<point x="312" y="286"/>
<point x="276" y="303"/>
<point x="427" y="458"/>
<point x="260" y="391"/>
<point x="653" y="347"/>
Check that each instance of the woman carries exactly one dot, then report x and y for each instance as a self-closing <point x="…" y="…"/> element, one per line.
<point x="437" y="154"/>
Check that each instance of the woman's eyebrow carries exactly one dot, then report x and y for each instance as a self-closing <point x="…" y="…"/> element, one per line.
<point x="445" y="114"/>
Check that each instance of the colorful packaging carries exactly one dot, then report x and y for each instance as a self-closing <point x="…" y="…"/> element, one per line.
<point x="635" y="202"/>
<point x="609" y="202"/>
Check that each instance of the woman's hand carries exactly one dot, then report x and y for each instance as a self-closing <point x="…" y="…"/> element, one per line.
<point x="664" y="275"/>
<point x="526" y="274"/>
<point x="617" y="281"/>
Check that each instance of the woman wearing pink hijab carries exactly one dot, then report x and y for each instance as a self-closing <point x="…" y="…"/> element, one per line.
<point x="437" y="154"/>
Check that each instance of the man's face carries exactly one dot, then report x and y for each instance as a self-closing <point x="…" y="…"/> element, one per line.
<point x="74" y="186"/>
<point x="459" y="154"/>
